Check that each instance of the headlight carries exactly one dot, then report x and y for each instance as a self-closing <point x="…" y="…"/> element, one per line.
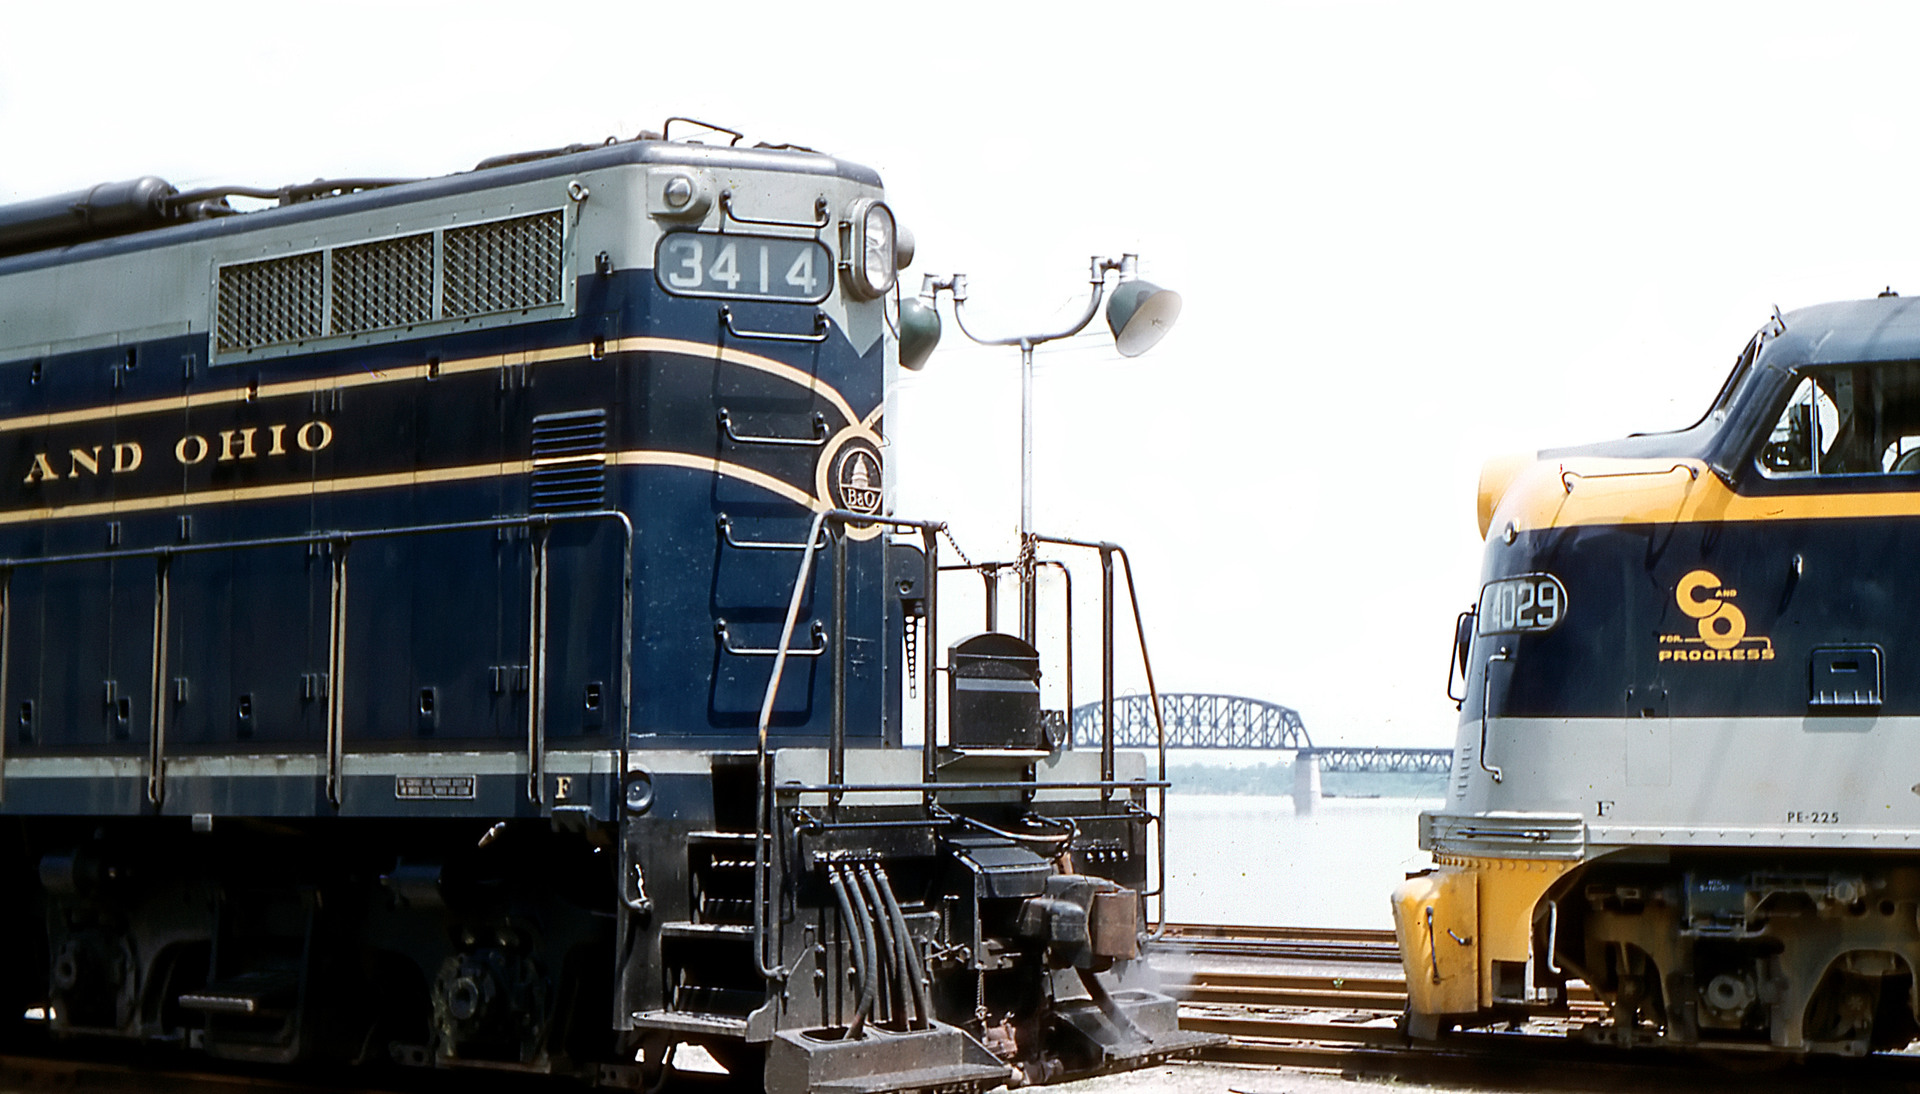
<point x="870" y="265"/>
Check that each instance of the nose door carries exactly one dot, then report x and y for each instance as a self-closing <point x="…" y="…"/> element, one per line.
<point x="1649" y="739"/>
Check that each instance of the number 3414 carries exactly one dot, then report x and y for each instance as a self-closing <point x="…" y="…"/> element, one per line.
<point x="743" y="267"/>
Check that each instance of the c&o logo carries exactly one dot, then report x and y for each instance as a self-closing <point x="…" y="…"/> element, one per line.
<point x="1721" y="625"/>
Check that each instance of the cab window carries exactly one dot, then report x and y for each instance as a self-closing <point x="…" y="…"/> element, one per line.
<point x="1859" y="420"/>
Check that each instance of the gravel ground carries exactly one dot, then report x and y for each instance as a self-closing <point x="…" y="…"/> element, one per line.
<point x="1212" y="1078"/>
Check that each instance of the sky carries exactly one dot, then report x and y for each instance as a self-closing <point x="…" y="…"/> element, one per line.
<point x="1410" y="237"/>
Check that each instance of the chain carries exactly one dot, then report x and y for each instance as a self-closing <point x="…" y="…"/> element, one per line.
<point x="913" y="657"/>
<point x="955" y="544"/>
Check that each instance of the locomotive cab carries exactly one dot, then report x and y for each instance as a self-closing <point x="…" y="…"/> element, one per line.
<point x="1679" y="776"/>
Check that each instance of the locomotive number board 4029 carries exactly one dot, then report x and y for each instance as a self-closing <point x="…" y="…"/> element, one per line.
<point x="743" y="267"/>
<point x="1527" y="602"/>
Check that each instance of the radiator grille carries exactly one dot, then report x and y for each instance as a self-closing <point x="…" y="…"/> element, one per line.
<point x="469" y="272"/>
<point x="507" y="265"/>
<point x="384" y="284"/>
<point x="278" y="300"/>
<point x="569" y="460"/>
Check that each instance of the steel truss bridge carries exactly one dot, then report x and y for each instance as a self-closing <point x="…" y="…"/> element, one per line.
<point x="1236" y="722"/>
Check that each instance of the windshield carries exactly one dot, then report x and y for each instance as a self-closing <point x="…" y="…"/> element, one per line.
<point x="1849" y="420"/>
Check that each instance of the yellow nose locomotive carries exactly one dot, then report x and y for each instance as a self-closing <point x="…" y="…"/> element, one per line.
<point x="1683" y="772"/>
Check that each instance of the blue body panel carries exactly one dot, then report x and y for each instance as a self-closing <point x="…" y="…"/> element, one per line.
<point x="353" y="452"/>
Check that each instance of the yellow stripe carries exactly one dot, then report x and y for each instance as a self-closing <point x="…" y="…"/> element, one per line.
<point x="637" y="458"/>
<point x="736" y="357"/>
<point x="212" y="398"/>
<point x="1581" y="492"/>
<point x="646" y="458"/>
<point x="405" y="373"/>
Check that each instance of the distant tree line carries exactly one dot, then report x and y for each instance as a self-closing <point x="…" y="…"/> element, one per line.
<point x="1267" y="778"/>
<point x="1276" y="779"/>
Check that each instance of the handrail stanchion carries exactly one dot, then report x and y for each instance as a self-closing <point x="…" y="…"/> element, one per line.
<point x="837" y="740"/>
<point x="336" y="669"/>
<point x="626" y="652"/>
<point x="537" y="674"/>
<point x="1107" y="553"/>
<point x="1160" y="726"/>
<point x="157" y="693"/>
<point x="990" y="583"/>
<point x="763" y="765"/>
<point x="1066" y="577"/>
<point x="1106" y="669"/>
<point x="929" y="719"/>
<point x="762" y="866"/>
<point x="6" y="661"/>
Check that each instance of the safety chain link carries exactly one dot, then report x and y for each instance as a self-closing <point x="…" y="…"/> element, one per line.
<point x="955" y="544"/>
<point x="913" y="657"/>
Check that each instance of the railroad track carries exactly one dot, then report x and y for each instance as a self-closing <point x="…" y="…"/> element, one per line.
<point x="1384" y="994"/>
<point x="1279" y="1006"/>
<point x="1338" y="944"/>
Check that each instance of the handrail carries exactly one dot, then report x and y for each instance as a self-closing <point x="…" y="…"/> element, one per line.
<point x="821" y="641"/>
<point x="1107" y="552"/>
<point x="1569" y="478"/>
<point x="6" y="651"/>
<point x="338" y="540"/>
<point x="821" y="216"/>
<point x="537" y="673"/>
<point x="821" y="327"/>
<point x="725" y="524"/>
<point x="1066" y="576"/>
<point x="990" y="577"/>
<point x="818" y="424"/>
<point x="156" y="717"/>
<point x="336" y="669"/>
<point x="791" y="789"/>
<point x="339" y="535"/>
<point x="766" y="962"/>
<point x="1486" y="709"/>
<point x="837" y="725"/>
<point x="762" y="872"/>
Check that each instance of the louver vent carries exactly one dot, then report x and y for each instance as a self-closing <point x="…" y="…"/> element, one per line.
<point x="501" y="269"/>
<point x="279" y="300"/>
<point x="384" y="284"/>
<point x="506" y="265"/>
<point x="569" y="460"/>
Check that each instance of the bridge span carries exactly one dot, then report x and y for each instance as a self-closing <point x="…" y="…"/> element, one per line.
<point x="1237" y="722"/>
<point x="1193" y="720"/>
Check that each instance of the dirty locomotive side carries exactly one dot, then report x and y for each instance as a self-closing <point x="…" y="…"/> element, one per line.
<point x="1683" y="772"/>
<point x="449" y="622"/>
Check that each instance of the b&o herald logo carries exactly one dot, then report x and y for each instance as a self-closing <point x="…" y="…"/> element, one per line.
<point x="1720" y="624"/>
<point x="856" y="479"/>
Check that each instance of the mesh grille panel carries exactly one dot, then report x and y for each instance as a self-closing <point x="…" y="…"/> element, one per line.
<point x="503" y="266"/>
<point x="467" y="273"/>
<point x="278" y="300"/>
<point x="384" y="284"/>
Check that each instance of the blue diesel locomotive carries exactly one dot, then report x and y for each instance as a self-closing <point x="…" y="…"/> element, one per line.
<point x="458" y="622"/>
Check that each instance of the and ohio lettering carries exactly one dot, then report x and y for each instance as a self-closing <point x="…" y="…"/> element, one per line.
<point x="225" y="446"/>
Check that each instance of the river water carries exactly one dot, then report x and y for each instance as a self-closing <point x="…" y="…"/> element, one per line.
<point x="1249" y="859"/>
